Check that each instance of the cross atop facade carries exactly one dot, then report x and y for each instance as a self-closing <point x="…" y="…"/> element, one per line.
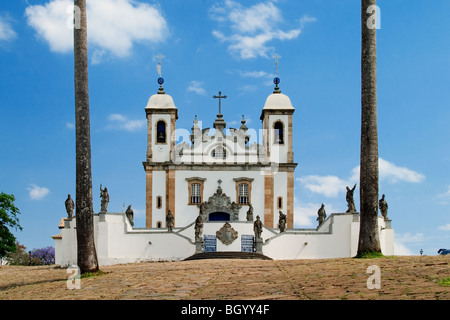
<point x="220" y="97"/>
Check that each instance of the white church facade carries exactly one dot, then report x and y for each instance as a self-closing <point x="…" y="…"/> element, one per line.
<point x="218" y="175"/>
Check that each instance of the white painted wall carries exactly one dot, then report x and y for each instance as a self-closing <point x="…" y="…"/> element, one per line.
<point x="186" y="214"/>
<point x="159" y="189"/>
<point x="117" y="242"/>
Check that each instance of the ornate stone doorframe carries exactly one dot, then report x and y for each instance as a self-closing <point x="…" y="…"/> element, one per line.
<point x="219" y="202"/>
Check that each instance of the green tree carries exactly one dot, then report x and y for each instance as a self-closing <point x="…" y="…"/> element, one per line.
<point x="8" y="219"/>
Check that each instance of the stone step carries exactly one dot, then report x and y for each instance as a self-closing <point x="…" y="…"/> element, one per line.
<point x="227" y="255"/>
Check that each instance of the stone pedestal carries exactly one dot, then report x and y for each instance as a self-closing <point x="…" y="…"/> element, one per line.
<point x="387" y="223"/>
<point x="199" y="244"/>
<point x="258" y="245"/>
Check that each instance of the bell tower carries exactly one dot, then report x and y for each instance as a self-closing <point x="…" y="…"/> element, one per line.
<point x="161" y="116"/>
<point x="277" y="125"/>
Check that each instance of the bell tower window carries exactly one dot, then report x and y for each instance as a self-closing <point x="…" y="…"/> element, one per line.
<point x="161" y="132"/>
<point x="278" y="133"/>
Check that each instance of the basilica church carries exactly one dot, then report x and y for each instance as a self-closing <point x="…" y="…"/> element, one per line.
<point x="216" y="191"/>
<point x="185" y="178"/>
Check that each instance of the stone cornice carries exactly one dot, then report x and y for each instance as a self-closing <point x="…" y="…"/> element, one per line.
<point x="162" y="166"/>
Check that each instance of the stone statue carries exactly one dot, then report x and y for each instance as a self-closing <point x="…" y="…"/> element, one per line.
<point x="203" y="207"/>
<point x="104" y="195"/>
<point x="69" y="206"/>
<point x="322" y="214"/>
<point x="169" y="221"/>
<point x="130" y="215"/>
<point x="282" y="222"/>
<point x="383" y="207"/>
<point x="198" y="228"/>
<point x="257" y="227"/>
<point x="349" y="198"/>
<point x="250" y="212"/>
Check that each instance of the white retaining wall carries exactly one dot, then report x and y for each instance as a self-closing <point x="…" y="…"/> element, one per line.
<point x="118" y="242"/>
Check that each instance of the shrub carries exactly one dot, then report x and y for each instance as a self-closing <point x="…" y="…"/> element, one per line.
<point x="42" y="256"/>
<point x="19" y="257"/>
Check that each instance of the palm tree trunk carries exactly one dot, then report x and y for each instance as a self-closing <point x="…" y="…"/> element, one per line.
<point x="369" y="240"/>
<point x="86" y="253"/>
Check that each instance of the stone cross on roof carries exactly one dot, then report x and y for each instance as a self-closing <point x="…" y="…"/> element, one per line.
<point x="220" y="97"/>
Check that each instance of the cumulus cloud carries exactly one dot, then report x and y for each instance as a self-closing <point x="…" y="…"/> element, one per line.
<point x="332" y="186"/>
<point x="329" y="186"/>
<point x="36" y="192"/>
<point x="6" y="31"/>
<point x="252" y="28"/>
<point x="121" y="122"/>
<point x="114" y="26"/>
<point x="197" y="87"/>
<point x="393" y="173"/>
<point x="401" y="241"/>
<point x="445" y="227"/>
<point x="305" y="214"/>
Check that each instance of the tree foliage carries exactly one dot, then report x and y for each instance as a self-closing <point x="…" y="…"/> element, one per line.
<point x="19" y="257"/>
<point x="8" y="220"/>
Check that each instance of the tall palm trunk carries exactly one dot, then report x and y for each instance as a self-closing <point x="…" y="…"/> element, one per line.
<point x="369" y="240"/>
<point x="87" y="256"/>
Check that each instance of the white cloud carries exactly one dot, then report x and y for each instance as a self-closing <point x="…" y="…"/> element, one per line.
<point x="445" y="194"/>
<point x="401" y="240"/>
<point x="252" y="28"/>
<point x="197" y="87"/>
<point x="393" y="173"/>
<point x="305" y="214"/>
<point x="120" y="122"/>
<point x="445" y="227"/>
<point x="401" y="250"/>
<point x="6" y="31"/>
<point x="113" y="25"/>
<point x="36" y="192"/>
<point x="70" y="125"/>
<point x="331" y="186"/>
<point x="255" y="74"/>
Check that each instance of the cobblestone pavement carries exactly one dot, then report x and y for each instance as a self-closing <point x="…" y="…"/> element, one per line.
<point x="401" y="278"/>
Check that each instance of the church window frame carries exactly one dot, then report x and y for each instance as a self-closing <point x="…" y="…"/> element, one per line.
<point x="279" y="137"/>
<point x="243" y="190"/>
<point x="219" y="152"/>
<point x="280" y="203"/>
<point x="161" y="126"/>
<point x="158" y="202"/>
<point x="195" y="190"/>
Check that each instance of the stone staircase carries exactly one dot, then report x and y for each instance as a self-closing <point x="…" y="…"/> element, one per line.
<point x="227" y="255"/>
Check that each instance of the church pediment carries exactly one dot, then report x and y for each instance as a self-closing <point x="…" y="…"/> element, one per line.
<point x="219" y="202"/>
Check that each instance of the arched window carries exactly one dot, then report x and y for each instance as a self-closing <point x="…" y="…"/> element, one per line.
<point x="278" y="133"/>
<point x="161" y="132"/>
<point x="219" y="153"/>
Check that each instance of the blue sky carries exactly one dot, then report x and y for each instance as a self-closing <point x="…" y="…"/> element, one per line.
<point x="229" y="46"/>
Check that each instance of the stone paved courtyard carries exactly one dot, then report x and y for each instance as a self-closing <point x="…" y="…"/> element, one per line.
<point x="402" y="278"/>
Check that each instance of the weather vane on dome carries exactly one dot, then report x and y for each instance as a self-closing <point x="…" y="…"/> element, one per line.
<point x="276" y="80"/>
<point x="160" y="79"/>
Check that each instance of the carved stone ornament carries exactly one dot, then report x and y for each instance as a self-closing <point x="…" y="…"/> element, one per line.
<point x="219" y="202"/>
<point x="227" y="234"/>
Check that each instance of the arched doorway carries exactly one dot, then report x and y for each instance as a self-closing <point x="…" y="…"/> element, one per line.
<point x="219" y="216"/>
